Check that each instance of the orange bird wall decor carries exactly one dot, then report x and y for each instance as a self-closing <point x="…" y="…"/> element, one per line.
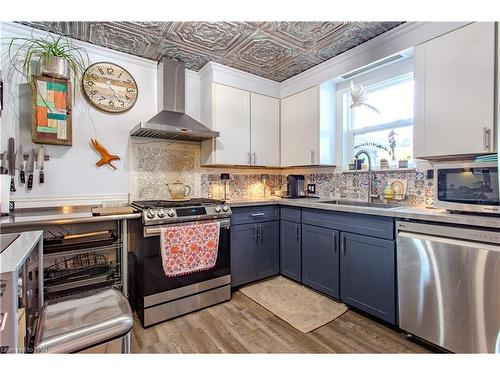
<point x="106" y="157"/>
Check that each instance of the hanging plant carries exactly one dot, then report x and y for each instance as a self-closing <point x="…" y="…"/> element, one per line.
<point x="392" y="143"/>
<point x="49" y="55"/>
<point x="359" y="97"/>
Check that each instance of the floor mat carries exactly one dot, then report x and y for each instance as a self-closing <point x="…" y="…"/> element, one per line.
<point x="296" y="304"/>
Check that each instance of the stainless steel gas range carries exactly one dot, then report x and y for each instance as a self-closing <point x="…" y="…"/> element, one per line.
<point x="157" y="297"/>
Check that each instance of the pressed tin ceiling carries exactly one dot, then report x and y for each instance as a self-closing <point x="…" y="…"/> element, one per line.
<point x="274" y="50"/>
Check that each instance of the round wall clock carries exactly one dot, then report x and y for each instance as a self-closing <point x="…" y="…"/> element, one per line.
<point x="109" y="87"/>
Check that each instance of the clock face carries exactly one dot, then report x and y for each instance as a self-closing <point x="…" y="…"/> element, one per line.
<point x="109" y="87"/>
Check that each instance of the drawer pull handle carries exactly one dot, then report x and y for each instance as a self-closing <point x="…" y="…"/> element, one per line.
<point x="258" y="214"/>
<point x="486" y="138"/>
<point x="3" y="321"/>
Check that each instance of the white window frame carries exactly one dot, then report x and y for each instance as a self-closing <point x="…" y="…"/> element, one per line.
<point x="382" y="77"/>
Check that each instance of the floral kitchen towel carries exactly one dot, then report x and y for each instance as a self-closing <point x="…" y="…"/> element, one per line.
<point x="189" y="248"/>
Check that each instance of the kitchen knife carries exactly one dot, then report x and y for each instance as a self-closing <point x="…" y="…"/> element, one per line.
<point x="11" y="152"/>
<point x="39" y="163"/>
<point x="20" y="163"/>
<point x="30" y="166"/>
<point x="3" y="165"/>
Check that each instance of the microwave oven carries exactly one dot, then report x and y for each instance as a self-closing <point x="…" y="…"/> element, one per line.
<point x="467" y="187"/>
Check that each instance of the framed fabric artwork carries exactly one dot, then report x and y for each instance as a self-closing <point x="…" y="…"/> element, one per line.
<point x="51" y="119"/>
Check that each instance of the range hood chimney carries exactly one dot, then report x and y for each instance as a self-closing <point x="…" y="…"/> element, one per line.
<point x="172" y="122"/>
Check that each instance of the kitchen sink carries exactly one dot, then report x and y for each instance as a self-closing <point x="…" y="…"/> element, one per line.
<point x="363" y="204"/>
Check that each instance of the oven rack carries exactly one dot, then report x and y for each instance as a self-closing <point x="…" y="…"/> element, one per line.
<point x="74" y="271"/>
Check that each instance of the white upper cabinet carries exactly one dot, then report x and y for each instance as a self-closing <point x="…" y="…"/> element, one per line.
<point x="264" y="130"/>
<point x="307" y="128"/>
<point x="455" y="93"/>
<point x="231" y="117"/>
<point x="248" y="124"/>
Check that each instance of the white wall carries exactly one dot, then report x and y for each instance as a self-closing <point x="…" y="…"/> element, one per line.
<point x="71" y="171"/>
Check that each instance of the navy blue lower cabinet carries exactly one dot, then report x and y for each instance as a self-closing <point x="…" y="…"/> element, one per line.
<point x="320" y="259"/>
<point x="290" y="250"/>
<point x="368" y="276"/>
<point x="254" y="252"/>
<point x="243" y="264"/>
<point x="267" y="249"/>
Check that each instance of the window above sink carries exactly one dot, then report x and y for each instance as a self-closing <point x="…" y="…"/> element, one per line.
<point x="381" y="123"/>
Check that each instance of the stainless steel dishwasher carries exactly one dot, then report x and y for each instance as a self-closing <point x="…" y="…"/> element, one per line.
<point x="449" y="285"/>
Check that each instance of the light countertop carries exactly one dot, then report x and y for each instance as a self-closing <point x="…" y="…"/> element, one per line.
<point x="76" y="215"/>
<point x="59" y="216"/>
<point x="18" y="249"/>
<point x="406" y="212"/>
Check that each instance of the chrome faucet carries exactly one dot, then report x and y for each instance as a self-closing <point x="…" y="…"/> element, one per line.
<point x="370" y="177"/>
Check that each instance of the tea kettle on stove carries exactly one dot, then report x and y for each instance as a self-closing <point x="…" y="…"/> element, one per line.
<point x="178" y="190"/>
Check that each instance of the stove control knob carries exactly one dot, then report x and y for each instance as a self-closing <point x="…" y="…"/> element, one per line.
<point x="161" y="214"/>
<point x="225" y="208"/>
<point x="217" y="209"/>
<point x="150" y="214"/>
<point x="171" y="212"/>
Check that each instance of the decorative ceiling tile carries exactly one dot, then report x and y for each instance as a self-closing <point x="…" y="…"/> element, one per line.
<point x="294" y="66"/>
<point x="263" y="52"/>
<point x="155" y="29"/>
<point x="192" y="60"/>
<point x="214" y="37"/>
<point x="62" y="28"/>
<point x="303" y="34"/>
<point x="274" y="50"/>
<point x="122" y="40"/>
<point x="352" y="35"/>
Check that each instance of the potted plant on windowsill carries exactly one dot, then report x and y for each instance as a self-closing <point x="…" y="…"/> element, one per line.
<point x="403" y="163"/>
<point x="48" y="55"/>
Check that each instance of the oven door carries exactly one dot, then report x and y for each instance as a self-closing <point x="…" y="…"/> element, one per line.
<point x="159" y="288"/>
<point x="467" y="187"/>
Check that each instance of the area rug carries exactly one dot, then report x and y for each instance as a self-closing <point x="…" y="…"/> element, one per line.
<point x="296" y="304"/>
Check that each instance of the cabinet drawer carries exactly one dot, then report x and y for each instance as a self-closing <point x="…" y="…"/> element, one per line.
<point x="370" y="225"/>
<point x="255" y="214"/>
<point x="290" y="214"/>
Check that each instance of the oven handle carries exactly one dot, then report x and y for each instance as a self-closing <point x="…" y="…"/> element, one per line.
<point x="156" y="230"/>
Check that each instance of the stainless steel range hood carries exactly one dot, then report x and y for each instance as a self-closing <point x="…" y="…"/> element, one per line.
<point x="172" y="122"/>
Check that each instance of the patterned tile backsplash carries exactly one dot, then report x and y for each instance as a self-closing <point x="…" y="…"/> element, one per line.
<point x="354" y="186"/>
<point x="154" y="164"/>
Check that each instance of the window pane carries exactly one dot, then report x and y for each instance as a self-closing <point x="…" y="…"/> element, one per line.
<point x="394" y="103"/>
<point x="381" y="145"/>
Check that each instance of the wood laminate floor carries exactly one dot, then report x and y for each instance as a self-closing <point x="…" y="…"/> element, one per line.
<point x="243" y="326"/>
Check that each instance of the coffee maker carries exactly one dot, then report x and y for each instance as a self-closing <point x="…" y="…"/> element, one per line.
<point x="295" y="186"/>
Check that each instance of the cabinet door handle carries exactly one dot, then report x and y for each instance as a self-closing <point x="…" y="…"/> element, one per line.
<point x="312" y="157"/>
<point x="334" y="237"/>
<point x="254" y="158"/>
<point x="254" y="232"/>
<point x="259" y="232"/>
<point x="297" y="229"/>
<point x="486" y="138"/>
<point x="342" y="244"/>
<point x="258" y="214"/>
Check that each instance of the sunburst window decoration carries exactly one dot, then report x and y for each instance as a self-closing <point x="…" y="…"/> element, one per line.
<point x="359" y="97"/>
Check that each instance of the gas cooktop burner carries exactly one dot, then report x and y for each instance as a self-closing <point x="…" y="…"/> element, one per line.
<point x="165" y="211"/>
<point x="179" y="203"/>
